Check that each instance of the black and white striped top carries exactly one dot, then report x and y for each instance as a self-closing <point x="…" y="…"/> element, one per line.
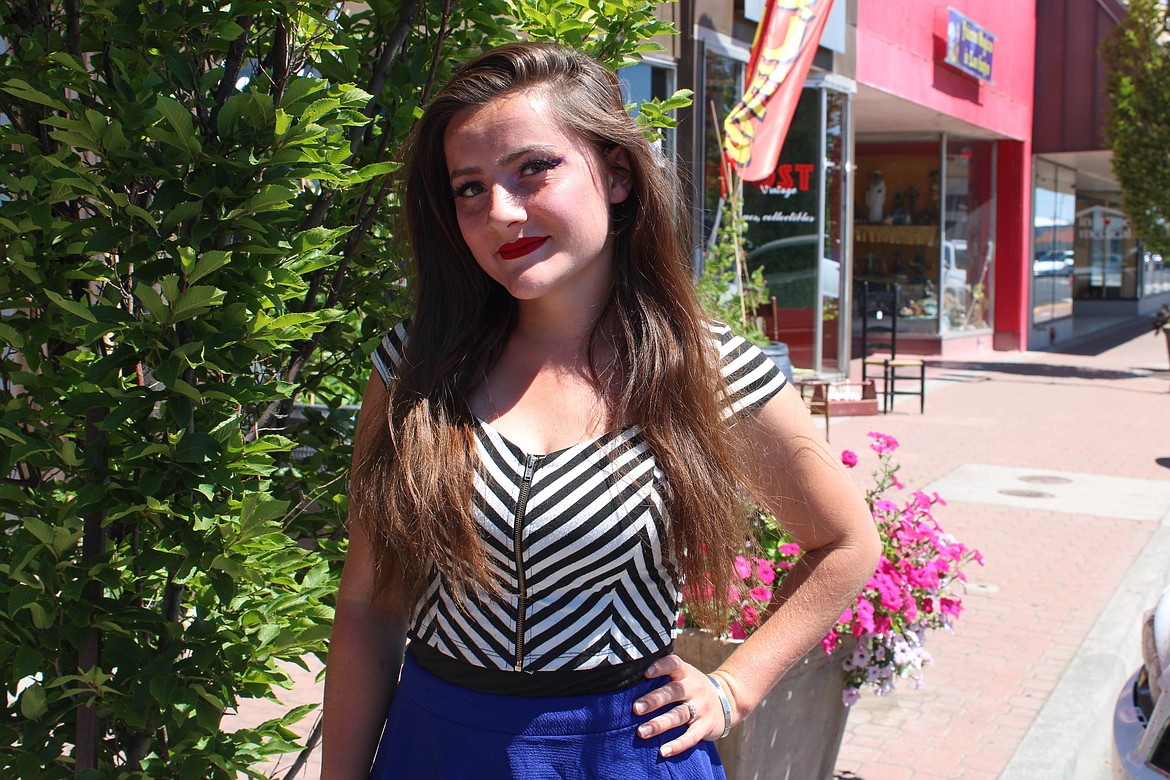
<point x="577" y="538"/>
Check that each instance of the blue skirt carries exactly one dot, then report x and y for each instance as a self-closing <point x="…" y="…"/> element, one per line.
<point x="440" y="731"/>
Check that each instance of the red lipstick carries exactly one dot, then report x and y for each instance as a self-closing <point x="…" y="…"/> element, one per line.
<point x="521" y="246"/>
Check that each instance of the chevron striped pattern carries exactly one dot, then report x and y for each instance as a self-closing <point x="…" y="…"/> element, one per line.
<point x="577" y="542"/>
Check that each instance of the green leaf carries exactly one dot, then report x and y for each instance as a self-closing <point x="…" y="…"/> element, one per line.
<point x="142" y="214"/>
<point x="372" y="171"/>
<point x="282" y="124"/>
<point x="179" y="118"/>
<point x="73" y="307"/>
<point x="256" y="511"/>
<point x="195" y="301"/>
<point x="196" y="447"/>
<point x="210" y="261"/>
<point x="182" y="211"/>
<point x="318" y="109"/>
<point x="25" y="91"/>
<point x="267" y="199"/>
<point x="11" y="335"/>
<point x="300" y="88"/>
<point x="40" y="529"/>
<point x="152" y="301"/>
<point x="32" y="702"/>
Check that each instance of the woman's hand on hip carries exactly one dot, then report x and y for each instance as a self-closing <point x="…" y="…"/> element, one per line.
<point x="690" y="699"/>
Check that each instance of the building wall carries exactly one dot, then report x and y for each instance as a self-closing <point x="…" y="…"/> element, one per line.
<point x="900" y="49"/>
<point x="1070" y="77"/>
<point x="899" y="52"/>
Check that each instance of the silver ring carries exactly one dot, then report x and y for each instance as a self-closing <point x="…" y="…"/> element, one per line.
<point x="694" y="712"/>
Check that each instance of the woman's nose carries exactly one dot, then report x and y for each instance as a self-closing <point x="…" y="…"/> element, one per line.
<point x="506" y="207"/>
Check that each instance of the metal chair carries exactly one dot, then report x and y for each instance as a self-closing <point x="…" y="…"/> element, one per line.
<point x="879" y="346"/>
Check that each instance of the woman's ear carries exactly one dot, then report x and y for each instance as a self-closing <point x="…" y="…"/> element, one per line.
<point x="621" y="177"/>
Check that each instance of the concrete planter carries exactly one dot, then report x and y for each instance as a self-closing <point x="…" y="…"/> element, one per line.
<point x="797" y="729"/>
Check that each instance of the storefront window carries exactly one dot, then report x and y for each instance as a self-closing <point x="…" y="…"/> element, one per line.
<point x="925" y="220"/>
<point x="898" y="197"/>
<point x="1053" y="226"/>
<point x="1106" y="252"/>
<point x="1155" y="273"/>
<point x="968" y="236"/>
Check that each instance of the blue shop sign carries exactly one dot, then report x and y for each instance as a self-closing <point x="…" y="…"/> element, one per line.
<point x="969" y="47"/>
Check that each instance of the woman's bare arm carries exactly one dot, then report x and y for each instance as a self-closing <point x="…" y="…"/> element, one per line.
<point x="815" y="500"/>
<point x="366" y="647"/>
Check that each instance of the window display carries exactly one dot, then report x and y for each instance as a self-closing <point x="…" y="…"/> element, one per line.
<point x="933" y="234"/>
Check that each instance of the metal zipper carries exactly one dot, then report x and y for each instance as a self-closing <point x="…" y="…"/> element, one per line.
<point x="521" y="606"/>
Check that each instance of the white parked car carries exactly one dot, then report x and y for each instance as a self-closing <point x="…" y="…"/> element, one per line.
<point x="1141" y="719"/>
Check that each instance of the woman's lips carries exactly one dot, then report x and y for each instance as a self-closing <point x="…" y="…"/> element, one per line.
<point x="521" y="247"/>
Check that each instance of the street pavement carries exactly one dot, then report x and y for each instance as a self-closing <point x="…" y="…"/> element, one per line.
<point x="1056" y="466"/>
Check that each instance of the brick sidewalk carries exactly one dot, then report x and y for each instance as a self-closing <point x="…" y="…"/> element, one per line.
<point x="1047" y="575"/>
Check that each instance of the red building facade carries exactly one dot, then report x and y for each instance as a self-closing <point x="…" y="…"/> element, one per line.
<point x="943" y="124"/>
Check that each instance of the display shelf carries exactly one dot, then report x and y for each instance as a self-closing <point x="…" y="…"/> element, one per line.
<point x="917" y="235"/>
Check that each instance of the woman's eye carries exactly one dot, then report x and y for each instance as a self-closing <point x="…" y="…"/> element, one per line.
<point x="539" y="166"/>
<point x="466" y="190"/>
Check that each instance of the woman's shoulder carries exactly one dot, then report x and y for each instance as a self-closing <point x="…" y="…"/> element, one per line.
<point x="751" y="377"/>
<point x="388" y="355"/>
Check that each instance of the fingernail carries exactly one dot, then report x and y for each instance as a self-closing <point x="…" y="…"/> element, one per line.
<point x="652" y="671"/>
<point x="639" y="708"/>
<point x="666" y="751"/>
<point x="643" y="731"/>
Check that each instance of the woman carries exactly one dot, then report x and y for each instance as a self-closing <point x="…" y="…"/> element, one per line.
<point x="550" y="448"/>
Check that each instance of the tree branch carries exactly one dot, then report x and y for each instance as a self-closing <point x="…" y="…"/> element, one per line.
<point x="310" y="746"/>
<point x="390" y="52"/>
<point x="231" y="73"/>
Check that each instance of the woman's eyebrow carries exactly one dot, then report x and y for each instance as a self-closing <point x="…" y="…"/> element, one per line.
<point x="504" y="161"/>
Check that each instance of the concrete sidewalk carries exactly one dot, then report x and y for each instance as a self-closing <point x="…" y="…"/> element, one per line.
<point x="1055" y="465"/>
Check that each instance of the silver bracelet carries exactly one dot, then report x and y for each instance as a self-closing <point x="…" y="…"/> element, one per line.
<point x="726" y="706"/>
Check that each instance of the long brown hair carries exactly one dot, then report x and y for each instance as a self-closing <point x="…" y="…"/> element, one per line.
<point x="412" y="491"/>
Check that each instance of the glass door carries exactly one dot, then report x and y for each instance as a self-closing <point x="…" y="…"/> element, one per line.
<point x="797" y="233"/>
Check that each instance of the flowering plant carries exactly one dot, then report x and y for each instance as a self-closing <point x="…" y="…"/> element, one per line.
<point x="911" y="591"/>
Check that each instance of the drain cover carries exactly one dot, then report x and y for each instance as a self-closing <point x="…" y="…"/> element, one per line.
<point x="1026" y="493"/>
<point x="1044" y="479"/>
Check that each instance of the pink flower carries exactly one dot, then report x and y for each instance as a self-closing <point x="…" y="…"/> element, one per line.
<point x="737" y="630"/>
<point x="950" y="606"/>
<point x="742" y="567"/>
<point x="883" y="444"/>
<point x="751" y="616"/>
<point x="829" y="641"/>
<point x="864" y="619"/>
<point x="732" y="594"/>
<point x="682" y="621"/>
<point x="761" y="593"/>
<point x="849" y="458"/>
<point x="765" y="572"/>
<point x="792" y="549"/>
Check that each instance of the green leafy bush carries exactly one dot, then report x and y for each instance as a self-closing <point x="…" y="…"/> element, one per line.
<point x="196" y="217"/>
